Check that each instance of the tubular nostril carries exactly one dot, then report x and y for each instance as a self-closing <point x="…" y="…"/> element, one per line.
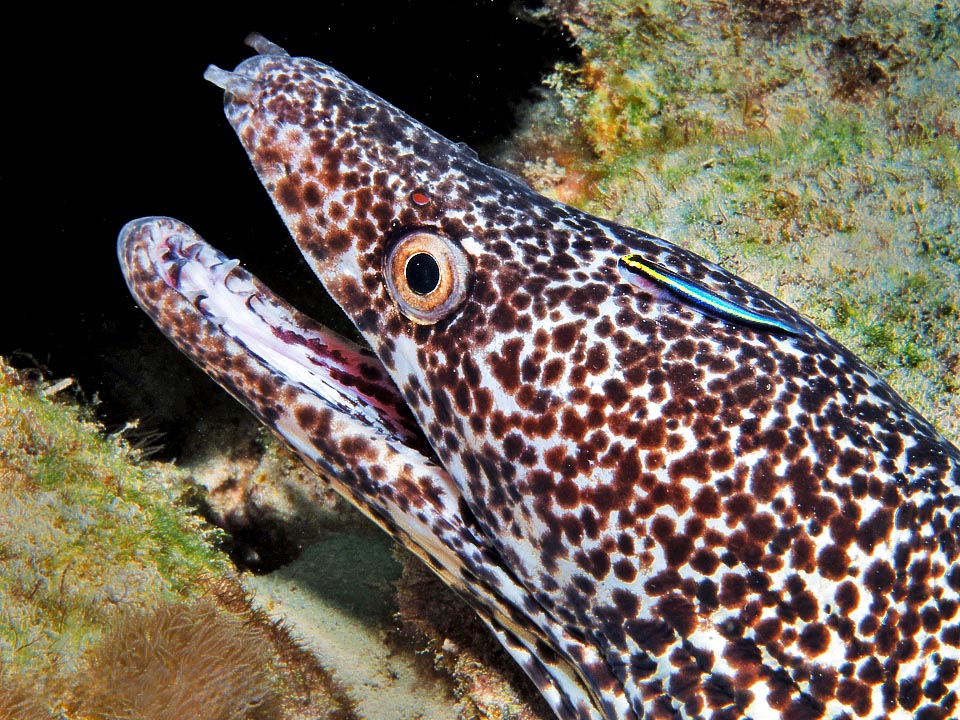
<point x="231" y="82"/>
<point x="263" y="46"/>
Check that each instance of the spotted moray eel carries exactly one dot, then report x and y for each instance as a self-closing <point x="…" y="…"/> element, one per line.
<point x="662" y="508"/>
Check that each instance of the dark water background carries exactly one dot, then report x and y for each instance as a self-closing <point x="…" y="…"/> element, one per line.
<point x="108" y="118"/>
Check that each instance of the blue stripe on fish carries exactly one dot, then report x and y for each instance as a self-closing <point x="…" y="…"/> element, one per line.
<point x="634" y="266"/>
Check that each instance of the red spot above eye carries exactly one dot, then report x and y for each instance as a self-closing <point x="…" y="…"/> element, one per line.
<point x="420" y="198"/>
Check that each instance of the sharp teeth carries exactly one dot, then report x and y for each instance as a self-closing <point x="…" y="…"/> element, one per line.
<point x="263" y="46"/>
<point x="194" y="296"/>
<point x="191" y="251"/>
<point x="237" y="85"/>
<point x="218" y="320"/>
<point x="221" y="271"/>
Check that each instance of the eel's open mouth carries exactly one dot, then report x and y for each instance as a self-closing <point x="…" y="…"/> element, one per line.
<point x="334" y="404"/>
<point x="167" y="265"/>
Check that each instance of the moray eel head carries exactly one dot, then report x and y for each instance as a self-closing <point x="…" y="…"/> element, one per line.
<point x="667" y="493"/>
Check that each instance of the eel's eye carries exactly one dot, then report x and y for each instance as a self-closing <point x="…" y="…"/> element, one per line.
<point x="426" y="275"/>
<point x="422" y="273"/>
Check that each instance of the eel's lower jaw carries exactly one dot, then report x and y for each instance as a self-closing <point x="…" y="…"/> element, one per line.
<point x="333" y="403"/>
<point x="177" y="278"/>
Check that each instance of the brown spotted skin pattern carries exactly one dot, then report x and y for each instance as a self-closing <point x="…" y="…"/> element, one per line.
<point x="334" y="405"/>
<point x="737" y="523"/>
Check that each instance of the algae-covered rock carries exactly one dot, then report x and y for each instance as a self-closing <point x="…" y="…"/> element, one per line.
<point x="114" y="600"/>
<point x="811" y="147"/>
<point x="84" y="529"/>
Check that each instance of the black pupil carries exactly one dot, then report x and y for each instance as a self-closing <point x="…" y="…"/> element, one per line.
<point x="422" y="273"/>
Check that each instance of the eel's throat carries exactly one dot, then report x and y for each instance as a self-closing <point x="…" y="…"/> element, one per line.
<point x="333" y="403"/>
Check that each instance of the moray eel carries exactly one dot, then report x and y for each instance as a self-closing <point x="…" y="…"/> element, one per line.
<point x="667" y="493"/>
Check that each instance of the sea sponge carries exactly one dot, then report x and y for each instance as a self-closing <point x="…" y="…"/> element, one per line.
<point x="180" y="661"/>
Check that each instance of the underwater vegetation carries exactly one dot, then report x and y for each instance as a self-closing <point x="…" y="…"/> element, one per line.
<point x="179" y="660"/>
<point x="84" y="529"/>
<point x="19" y="700"/>
<point x="116" y="602"/>
<point x="812" y="147"/>
<point x="211" y="658"/>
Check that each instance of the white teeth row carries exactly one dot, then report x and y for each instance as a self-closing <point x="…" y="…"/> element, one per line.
<point x="182" y="251"/>
<point x="221" y="271"/>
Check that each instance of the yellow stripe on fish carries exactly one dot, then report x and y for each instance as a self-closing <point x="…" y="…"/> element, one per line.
<point x="634" y="266"/>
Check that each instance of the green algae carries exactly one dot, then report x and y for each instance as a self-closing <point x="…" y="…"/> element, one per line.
<point x="84" y="529"/>
<point x="114" y="598"/>
<point x="811" y="147"/>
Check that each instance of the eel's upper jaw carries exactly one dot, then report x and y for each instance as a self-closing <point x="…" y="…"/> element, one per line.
<point x="178" y="279"/>
<point x="334" y="405"/>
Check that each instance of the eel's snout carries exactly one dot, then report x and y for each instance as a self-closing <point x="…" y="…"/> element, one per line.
<point x="140" y="245"/>
<point x="244" y="81"/>
<point x="164" y="250"/>
<point x="141" y="235"/>
<point x="184" y="283"/>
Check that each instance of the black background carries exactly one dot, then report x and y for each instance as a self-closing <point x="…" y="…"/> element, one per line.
<point x="109" y="118"/>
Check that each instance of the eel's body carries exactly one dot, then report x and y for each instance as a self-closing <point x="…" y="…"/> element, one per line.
<point x="661" y="511"/>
